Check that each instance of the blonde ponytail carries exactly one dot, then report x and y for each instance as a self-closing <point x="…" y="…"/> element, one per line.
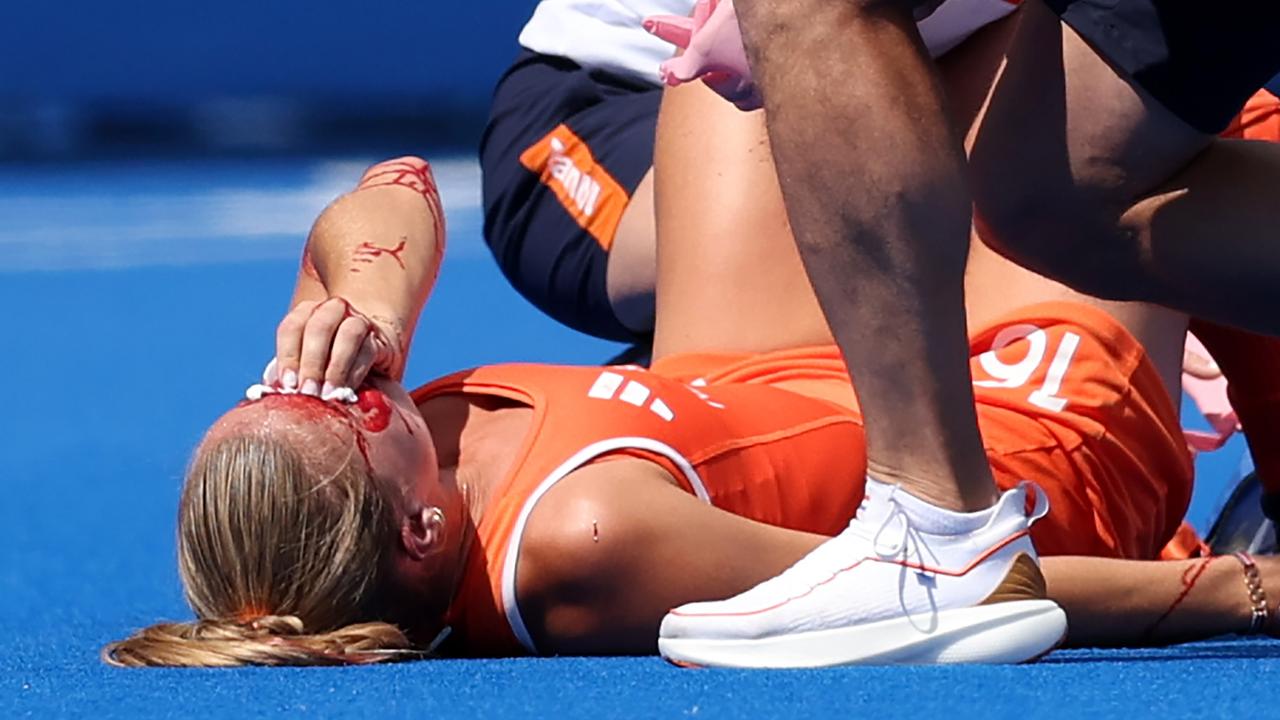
<point x="269" y="640"/>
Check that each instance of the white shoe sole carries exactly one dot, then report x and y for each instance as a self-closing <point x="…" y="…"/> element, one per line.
<point x="1000" y="633"/>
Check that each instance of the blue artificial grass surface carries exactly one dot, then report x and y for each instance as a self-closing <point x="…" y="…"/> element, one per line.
<point x="114" y="365"/>
<point x="1216" y="679"/>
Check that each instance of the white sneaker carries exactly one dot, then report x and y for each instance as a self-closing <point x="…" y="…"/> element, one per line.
<point x="905" y="583"/>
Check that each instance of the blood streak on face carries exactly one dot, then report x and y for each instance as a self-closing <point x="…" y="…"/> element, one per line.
<point x="374" y="410"/>
<point x="362" y="445"/>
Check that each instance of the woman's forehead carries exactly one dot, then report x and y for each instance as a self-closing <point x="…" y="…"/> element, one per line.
<point x="307" y="424"/>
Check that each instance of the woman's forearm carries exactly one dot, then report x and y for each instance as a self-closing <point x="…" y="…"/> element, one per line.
<point x="378" y="247"/>
<point x="1132" y="602"/>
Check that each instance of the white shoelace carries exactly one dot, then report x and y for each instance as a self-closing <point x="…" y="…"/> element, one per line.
<point x="907" y="543"/>
<point x="899" y="545"/>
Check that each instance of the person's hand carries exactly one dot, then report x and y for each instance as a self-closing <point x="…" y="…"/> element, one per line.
<point x="323" y="347"/>
<point x="1197" y="362"/>
<point x="713" y="51"/>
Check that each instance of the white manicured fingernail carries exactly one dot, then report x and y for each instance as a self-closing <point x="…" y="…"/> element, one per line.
<point x="289" y="380"/>
<point x="339" y="394"/>
<point x="310" y="387"/>
<point x="271" y="374"/>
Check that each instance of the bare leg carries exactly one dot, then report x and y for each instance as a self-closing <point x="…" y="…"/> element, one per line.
<point x="1124" y="602"/>
<point x="1050" y="187"/>
<point x="993" y="284"/>
<point x="1081" y="175"/>
<point x="722" y="220"/>
<point x="729" y="276"/>
<point x="873" y="176"/>
<point x="1206" y="240"/>
<point x="629" y="278"/>
<point x="756" y="627"/>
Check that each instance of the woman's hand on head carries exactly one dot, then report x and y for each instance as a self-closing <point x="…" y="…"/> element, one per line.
<point x="326" y="345"/>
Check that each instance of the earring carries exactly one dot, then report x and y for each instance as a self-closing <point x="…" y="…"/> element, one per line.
<point x="437" y="516"/>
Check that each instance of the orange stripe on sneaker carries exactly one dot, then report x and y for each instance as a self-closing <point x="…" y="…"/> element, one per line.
<point x="565" y="164"/>
<point x="904" y="563"/>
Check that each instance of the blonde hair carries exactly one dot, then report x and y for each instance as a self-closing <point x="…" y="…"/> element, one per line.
<point x="280" y="562"/>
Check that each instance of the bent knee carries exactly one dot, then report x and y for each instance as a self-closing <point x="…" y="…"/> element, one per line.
<point x="1091" y="257"/>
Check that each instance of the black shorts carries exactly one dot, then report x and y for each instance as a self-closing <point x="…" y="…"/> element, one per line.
<point x="1201" y="59"/>
<point x="563" y="152"/>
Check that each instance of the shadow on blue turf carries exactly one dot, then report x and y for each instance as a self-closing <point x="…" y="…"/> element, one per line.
<point x="1227" y="648"/>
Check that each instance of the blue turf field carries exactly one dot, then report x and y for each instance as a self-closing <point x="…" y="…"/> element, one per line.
<point x="139" y="300"/>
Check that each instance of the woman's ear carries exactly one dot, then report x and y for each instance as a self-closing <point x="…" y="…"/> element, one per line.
<point x="422" y="531"/>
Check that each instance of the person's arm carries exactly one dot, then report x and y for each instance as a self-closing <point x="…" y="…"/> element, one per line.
<point x="614" y="545"/>
<point x="368" y="267"/>
<point x="1113" y="602"/>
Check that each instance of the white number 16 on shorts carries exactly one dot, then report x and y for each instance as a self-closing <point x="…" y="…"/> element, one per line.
<point x="1016" y="375"/>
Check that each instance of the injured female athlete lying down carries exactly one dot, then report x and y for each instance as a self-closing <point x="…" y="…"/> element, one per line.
<point x="335" y="517"/>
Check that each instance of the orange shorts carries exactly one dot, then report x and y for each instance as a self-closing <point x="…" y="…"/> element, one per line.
<point x="1066" y="398"/>
<point x="1259" y="120"/>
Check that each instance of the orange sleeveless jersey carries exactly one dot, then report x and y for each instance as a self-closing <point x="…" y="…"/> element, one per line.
<point x="1067" y="399"/>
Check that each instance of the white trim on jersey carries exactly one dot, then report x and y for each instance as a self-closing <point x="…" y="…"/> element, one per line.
<point x="603" y="34"/>
<point x="510" y="604"/>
